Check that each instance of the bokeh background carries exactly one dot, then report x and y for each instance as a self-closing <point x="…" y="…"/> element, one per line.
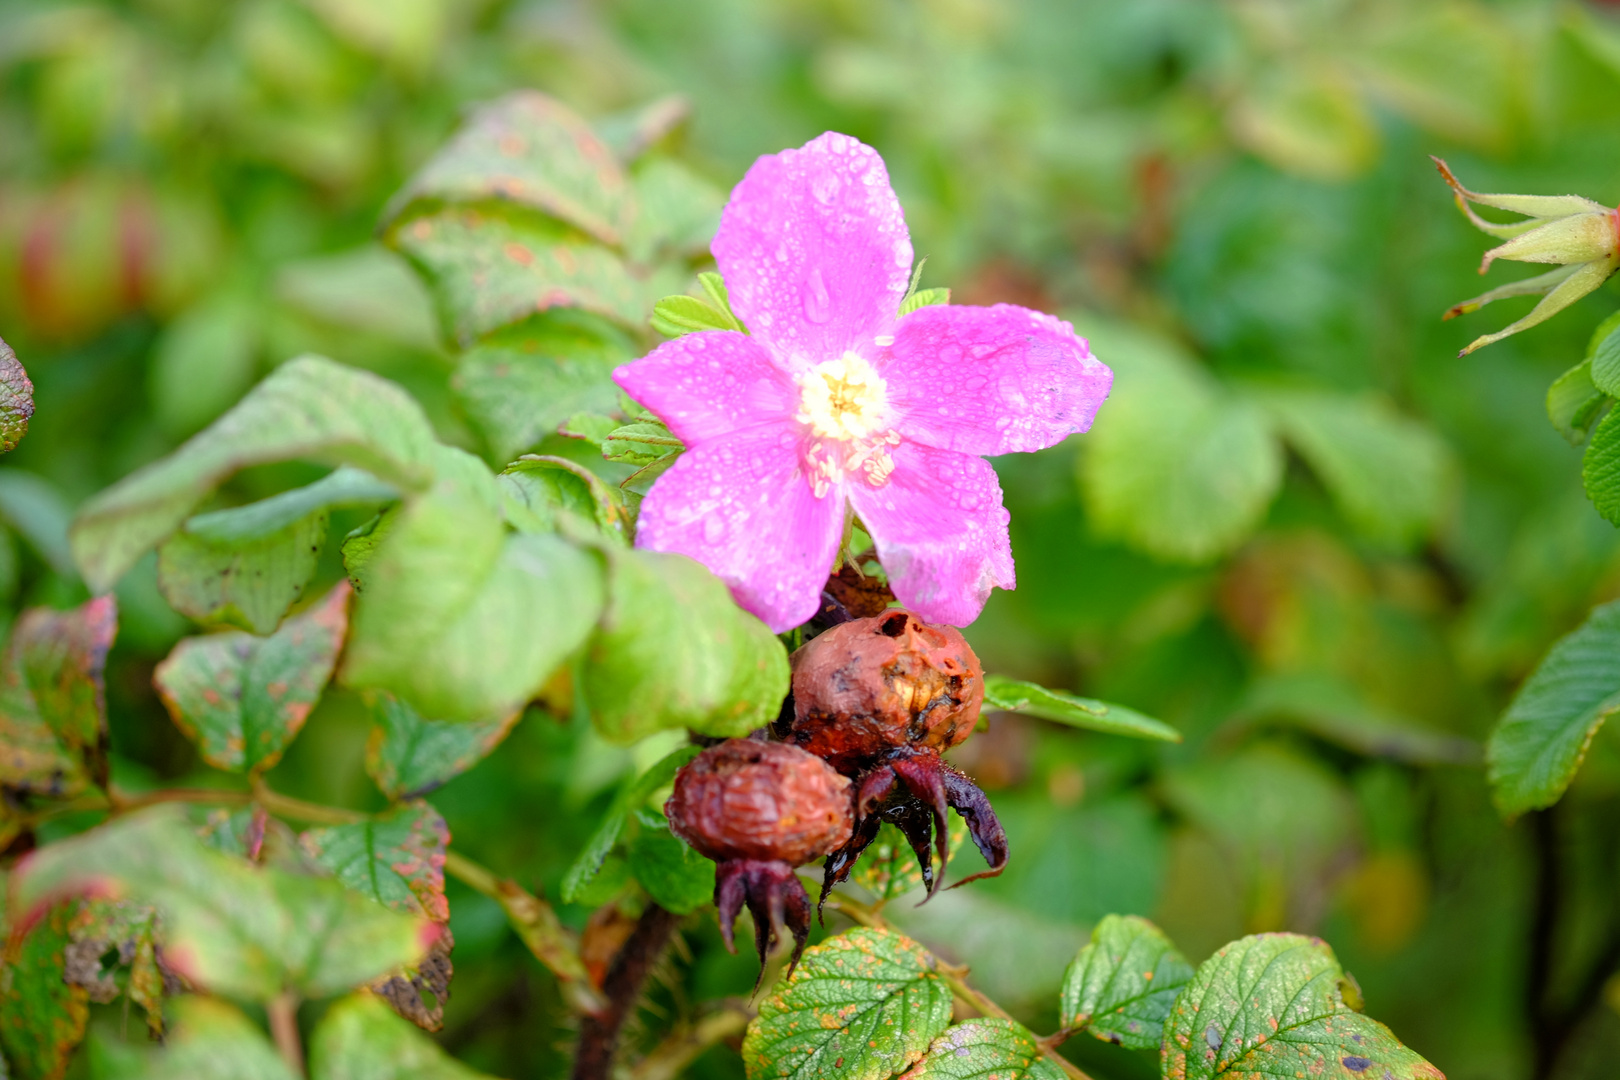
<point x="1304" y="531"/>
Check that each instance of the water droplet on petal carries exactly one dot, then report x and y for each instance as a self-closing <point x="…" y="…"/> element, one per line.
<point x="714" y="527"/>
<point x="817" y="303"/>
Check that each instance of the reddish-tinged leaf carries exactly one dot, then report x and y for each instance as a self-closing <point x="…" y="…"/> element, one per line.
<point x="242" y="698"/>
<point x="103" y="928"/>
<point x="397" y="860"/>
<point x="42" y="1017"/>
<point x="408" y="755"/>
<point x="16" y="399"/>
<point x="985" y="1048"/>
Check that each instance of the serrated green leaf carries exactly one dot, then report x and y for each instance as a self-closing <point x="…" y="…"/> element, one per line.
<point x="1389" y="475"/>
<point x="361" y="545"/>
<point x="674" y="650"/>
<point x="16" y="399"/>
<point x="591" y="427"/>
<point x="674" y="316"/>
<point x="674" y="875"/>
<point x="1574" y="403"/>
<point x="250" y="584"/>
<point x="1121" y="985"/>
<point x="1014" y="695"/>
<point x="529" y="149"/>
<point x="360" y="1039"/>
<point x="889" y="868"/>
<point x="242" y="930"/>
<point x="345" y="486"/>
<point x="519" y="384"/>
<point x="409" y="756"/>
<point x="1604" y="354"/>
<point x="128" y="931"/>
<point x="1273" y="1005"/>
<point x="42" y="1016"/>
<point x="242" y="699"/>
<point x="986" y="1047"/>
<point x="396" y="860"/>
<point x="544" y="488"/>
<point x="924" y="298"/>
<point x="640" y="443"/>
<point x="861" y="1006"/>
<point x="491" y="267"/>
<point x="211" y="1040"/>
<point x="1600" y="467"/>
<point x="309" y="409"/>
<point x="630" y="797"/>
<point x="1176" y="465"/>
<point x="53" y="713"/>
<point x="1542" y="738"/>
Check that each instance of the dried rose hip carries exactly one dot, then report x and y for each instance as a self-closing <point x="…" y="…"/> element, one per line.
<point x="758" y="810"/>
<point x="879" y="699"/>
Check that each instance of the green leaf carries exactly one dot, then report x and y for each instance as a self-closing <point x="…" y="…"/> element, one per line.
<point x="545" y="488"/>
<point x="491" y="267"/>
<point x="242" y="698"/>
<point x="40" y="513"/>
<point x="1274" y="1005"/>
<point x="674" y="875"/>
<point x="1176" y="465"/>
<point x="211" y="1040"/>
<point x="16" y="400"/>
<point x="861" y="1006"/>
<point x="130" y="932"/>
<point x="632" y="796"/>
<point x="529" y="149"/>
<point x="237" y="929"/>
<point x="42" y="1016"/>
<point x="985" y="1047"/>
<point x="1014" y="695"/>
<point x="640" y="443"/>
<point x="591" y="427"/>
<point x="1121" y="986"/>
<point x="53" y="712"/>
<point x="1600" y="467"/>
<point x="308" y="409"/>
<point x="409" y="756"/>
<point x="345" y="486"/>
<point x="207" y="357"/>
<point x="397" y="860"/>
<point x="519" y="384"/>
<point x="889" y="869"/>
<point x="673" y="650"/>
<point x="674" y="316"/>
<point x="250" y="584"/>
<point x="1574" y="403"/>
<point x="924" y="298"/>
<point x="1542" y="739"/>
<point x="680" y="212"/>
<point x="1390" y="476"/>
<point x="360" y="1039"/>
<point x="1604" y="354"/>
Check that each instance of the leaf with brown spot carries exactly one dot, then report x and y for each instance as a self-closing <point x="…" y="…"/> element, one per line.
<point x="1121" y="985"/>
<point x="986" y="1047"/>
<point x="1272" y="1005"/>
<point x="860" y="1006"/>
<point x="53" y="712"/>
<point x="242" y="698"/>
<point x="128" y="933"/>
<point x="408" y="755"/>
<point x="42" y="1017"/>
<point x="16" y="399"/>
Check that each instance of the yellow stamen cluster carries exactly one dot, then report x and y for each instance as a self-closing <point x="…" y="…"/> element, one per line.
<point x="845" y="403"/>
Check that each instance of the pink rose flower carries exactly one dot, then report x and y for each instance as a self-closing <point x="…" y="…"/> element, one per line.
<point x="834" y="400"/>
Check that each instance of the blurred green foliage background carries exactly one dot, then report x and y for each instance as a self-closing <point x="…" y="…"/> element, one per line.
<point x="1302" y="532"/>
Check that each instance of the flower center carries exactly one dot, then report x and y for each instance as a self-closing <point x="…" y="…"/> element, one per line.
<point x="843" y="398"/>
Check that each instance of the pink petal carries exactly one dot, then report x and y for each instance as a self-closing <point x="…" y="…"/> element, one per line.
<point x="710" y="384"/>
<point x="814" y="249"/>
<point x="742" y="507"/>
<point x="991" y="380"/>
<point x="940" y="531"/>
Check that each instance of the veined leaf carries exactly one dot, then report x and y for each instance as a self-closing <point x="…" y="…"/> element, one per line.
<point x="42" y="1016"/>
<point x="344" y="486"/>
<point x="397" y="860"/>
<point x="986" y="1047"/>
<point x="211" y="1040"/>
<point x="408" y="755"/>
<point x="544" y="488"/>
<point x="676" y="316"/>
<point x="1122" y="984"/>
<point x="1014" y="695"/>
<point x="1604" y="355"/>
<point x="630" y="797"/>
<point x="679" y="212"/>
<point x="674" y="875"/>
<point x="924" y="298"/>
<point x="1574" y="403"/>
<point x="53" y="712"/>
<point x="16" y="400"/>
<point x="248" y="584"/>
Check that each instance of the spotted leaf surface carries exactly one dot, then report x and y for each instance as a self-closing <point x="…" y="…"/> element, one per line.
<point x="1272" y="1005"/>
<point x="983" y="1049"/>
<point x="42" y="1017"/>
<point x="53" y="713"/>
<point x="242" y="698"/>
<point x="1121" y="985"/>
<point x="115" y="951"/>
<point x="249" y="584"/>
<point x="16" y="399"/>
<point x="397" y="860"/>
<point x="408" y="755"/>
<point x="861" y="1006"/>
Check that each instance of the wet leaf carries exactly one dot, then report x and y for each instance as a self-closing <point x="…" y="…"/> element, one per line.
<point x="1274" y="1005"/>
<point x="547" y="487"/>
<point x="243" y="698"/>
<point x="1121" y="985"/>
<point x="889" y="868"/>
<point x="408" y="755"/>
<point x="674" y="875"/>
<point x="632" y="796"/>
<point x="861" y="1006"/>
<point x="16" y="400"/>
<point x="211" y="1040"/>
<point x="103" y="928"/>
<point x="641" y="443"/>
<point x="249" y="584"/>
<point x="1014" y="695"/>
<point x="234" y="928"/>
<point x="675" y="316"/>
<point x="309" y="409"/>
<point x="1542" y="739"/>
<point x="986" y="1047"/>
<point x="397" y="860"/>
<point x="360" y="1039"/>
<point x="530" y="149"/>
<point x="53" y="712"/>
<point x="42" y="1017"/>
<point x="674" y="650"/>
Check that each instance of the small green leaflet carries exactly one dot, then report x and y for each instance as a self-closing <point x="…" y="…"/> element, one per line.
<point x="1121" y="986"/>
<point x="242" y="698"/>
<point x="53" y="713"/>
<point x="631" y="797"/>
<point x="986" y="1047"/>
<point x="674" y="316"/>
<point x="1013" y="695"/>
<point x="640" y="443"/>
<point x="672" y="873"/>
<point x="924" y="298"/>
<point x="359" y="1038"/>
<point x="1274" y="1005"/>
<point x="16" y="400"/>
<point x="1604" y="354"/>
<point x="42" y="1017"/>
<point x="1542" y="738"/>
<point x="211" y="1041"/>
<point x="861" y="1006"/>
<point x="408" y="755"/>
<point x="1574" y="403"/>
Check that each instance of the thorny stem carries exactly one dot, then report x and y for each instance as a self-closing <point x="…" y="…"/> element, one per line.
<point x="599" y="1031"/>
<point x="681" y="1047"/>
<point x="282" y="1011"/>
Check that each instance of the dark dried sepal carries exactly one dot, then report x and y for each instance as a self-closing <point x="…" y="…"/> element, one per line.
<point x="774" y="896"/>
